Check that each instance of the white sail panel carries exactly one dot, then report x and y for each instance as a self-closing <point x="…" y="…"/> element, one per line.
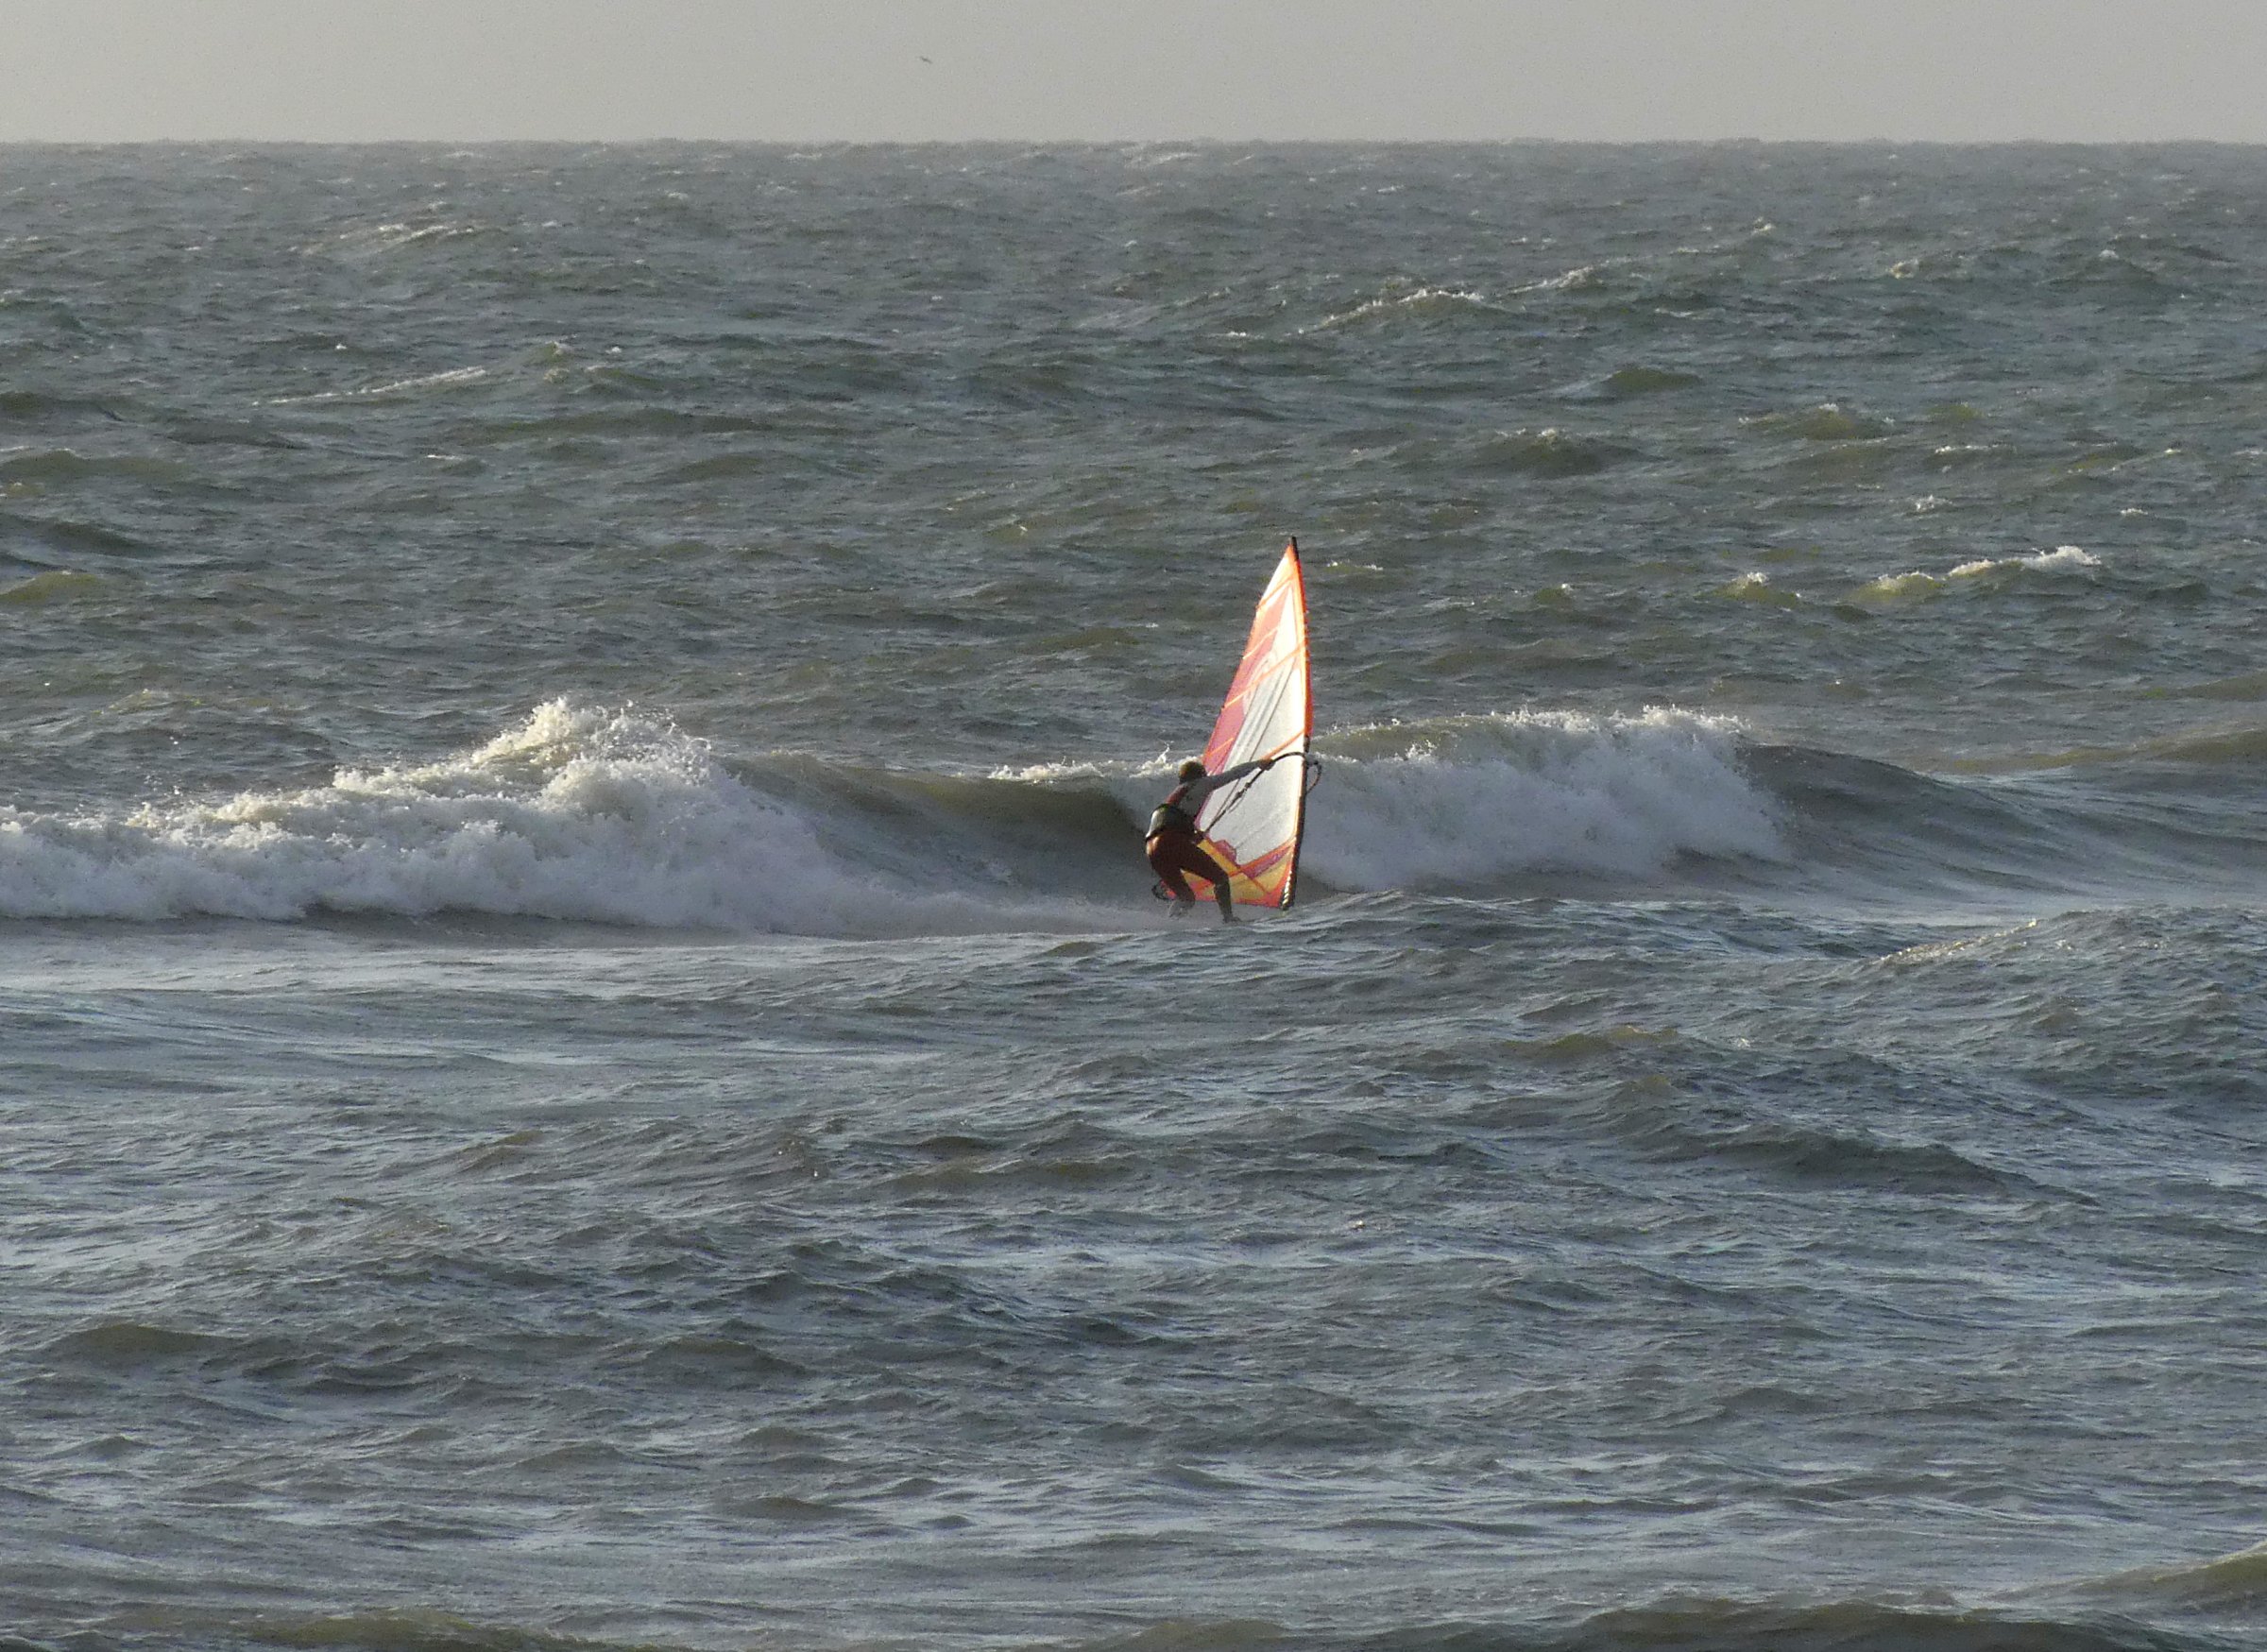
<point x="1255" y="823"/>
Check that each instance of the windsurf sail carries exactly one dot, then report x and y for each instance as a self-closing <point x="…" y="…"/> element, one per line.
<point x="1254" y="826"/>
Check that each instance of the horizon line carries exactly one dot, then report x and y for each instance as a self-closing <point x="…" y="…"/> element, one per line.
<point x="244" y="141"/>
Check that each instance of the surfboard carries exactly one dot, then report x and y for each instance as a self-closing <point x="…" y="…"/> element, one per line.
<point x="1255" y="825"/>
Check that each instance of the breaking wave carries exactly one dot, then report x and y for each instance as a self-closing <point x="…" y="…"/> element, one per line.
<point x="615" y="816"/>
<point x="1989" y="572"/>
<point x="1395" y="302"/>
<point x="608" y="816"/>
<point x="1469" y="802"/>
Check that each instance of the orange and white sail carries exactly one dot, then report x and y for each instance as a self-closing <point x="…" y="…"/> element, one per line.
<point x="1255" y="825"/>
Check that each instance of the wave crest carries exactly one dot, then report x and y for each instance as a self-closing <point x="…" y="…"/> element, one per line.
<point x="1469" y="802"/>
<point x="577" y="813"/>
<point x="615" y="816"/>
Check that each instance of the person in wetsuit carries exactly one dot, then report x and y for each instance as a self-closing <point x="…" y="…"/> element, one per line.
<point x="1173" y="844"/>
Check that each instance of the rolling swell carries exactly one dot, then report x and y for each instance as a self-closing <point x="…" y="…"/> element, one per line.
<point x="617" y="817"/>
<point x="2119" y="824"/>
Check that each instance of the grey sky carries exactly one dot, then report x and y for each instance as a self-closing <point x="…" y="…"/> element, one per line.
<point x="812" y="70"/>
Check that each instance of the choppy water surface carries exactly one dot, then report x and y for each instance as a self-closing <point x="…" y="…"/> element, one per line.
<point x="589" y="1063"/>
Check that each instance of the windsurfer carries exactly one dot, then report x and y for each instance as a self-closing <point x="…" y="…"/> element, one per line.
<point x="1175" y="847"/>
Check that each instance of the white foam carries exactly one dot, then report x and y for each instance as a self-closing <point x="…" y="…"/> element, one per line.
<point x="371" y="240"/>
<point x="1755" y="587"/>
<point x="1421" y="298"/>
<point x="1896" y="586"/>
<point x="1588" y="275"/>
<point x="579" y="813"/>
<point x="454" y="377"/>
<point x="1916" y="582"/>
<point x="2061" y="560"/>
<point x="1472" y="801"/>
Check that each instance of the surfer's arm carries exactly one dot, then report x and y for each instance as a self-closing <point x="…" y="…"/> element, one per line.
<point x="1200" y="790"/>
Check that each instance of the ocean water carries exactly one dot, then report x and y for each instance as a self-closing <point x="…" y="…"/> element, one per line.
<point x="587" y="1059"/>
